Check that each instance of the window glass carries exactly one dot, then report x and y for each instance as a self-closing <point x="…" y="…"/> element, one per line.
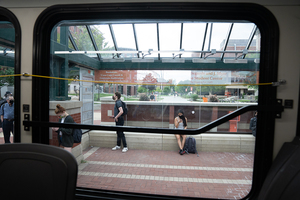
<point x="82" y="39"/>
<point x="192" y="39"/>
<point x="158" y="90"/>
<point x="239" y="37"/>
<point x="7" y="67"/>
<point x="147" y="37"/>
<point x="104" y="40"/>
<point x="125" y="38"/>
<point x="169" y="38"/>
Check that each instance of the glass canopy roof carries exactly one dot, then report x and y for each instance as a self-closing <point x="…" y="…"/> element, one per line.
<point x="164" y="40"/>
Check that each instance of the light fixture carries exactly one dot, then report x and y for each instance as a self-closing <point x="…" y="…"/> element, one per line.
<point x="7" y="52"/>
<point x="173" y="60"/>
<point x="113" y="60"/>
<point x="233" y="61"/>
<point x="237" y="60"/>
<point x="205" y="60"/>
<point x="257" y="60"/>
<point x="202" y="60"/>
<point x="142" y="60"/>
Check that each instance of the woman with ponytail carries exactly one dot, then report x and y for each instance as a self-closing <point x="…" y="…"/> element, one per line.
<point x="65" y="136"/>
<point x="180" y="122"/>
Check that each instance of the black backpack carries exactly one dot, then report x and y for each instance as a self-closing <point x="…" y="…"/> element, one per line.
<point x="190" y="145"/>
<point x="2" y="102"/>
<point x="124" y="107"/>
<point x="77" y="135"/>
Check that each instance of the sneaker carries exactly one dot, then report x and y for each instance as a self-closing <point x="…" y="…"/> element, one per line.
<point x="125" y="149"/>
<point x="180" y="151"/>
<point x="116" y="148"/>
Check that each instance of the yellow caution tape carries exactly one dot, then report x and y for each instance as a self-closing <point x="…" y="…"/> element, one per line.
<point x="126" y="83"/>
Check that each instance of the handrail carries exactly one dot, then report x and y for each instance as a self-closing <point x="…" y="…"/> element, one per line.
<point x="202" y="129"/>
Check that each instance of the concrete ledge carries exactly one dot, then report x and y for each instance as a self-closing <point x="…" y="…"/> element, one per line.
<point x="77" y="151"/>
<point x="205" y="142"/>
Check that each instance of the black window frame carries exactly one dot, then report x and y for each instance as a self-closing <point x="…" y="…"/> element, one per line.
<point x="255" y="13"/>
<point x="7" y="15"/>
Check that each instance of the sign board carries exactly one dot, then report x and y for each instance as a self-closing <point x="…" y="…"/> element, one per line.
<point x="116" y="76"/>
<point x="211" y="77"/>
<point x="86" y="96"/>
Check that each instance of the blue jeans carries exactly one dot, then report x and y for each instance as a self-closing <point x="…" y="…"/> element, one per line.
<point x="120" y="134"/>
<point x="7" y="126"/>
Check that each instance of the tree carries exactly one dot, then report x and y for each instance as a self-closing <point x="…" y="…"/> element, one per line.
<point x="251" y="79"/>
<point x="83" y="40"/>
<point x="7" y="80"/>
<point x="141" y="90"/>
<point x="183" y="87"/>
<point x="166" y="90"/>
<point x="158" y="89"/>
<point x="149" y="79"/>
<point x="210" y="90"/>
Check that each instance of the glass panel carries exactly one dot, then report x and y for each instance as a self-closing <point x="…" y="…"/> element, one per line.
<point x="169" y="38"/>
<point x="207" y="41"/>
<point x="157" y="95"/>
<point x="192" y="39"/>
<point x="125" y="38"/>
<point x="82" y="39"/>
<point x="255" y="46"/>
<point x="105" y="41"/>
<point x="147" y="37"/>
<point x="239" y="38"/>
<point x="219" y="33"/>
<point x="7" y="64"/>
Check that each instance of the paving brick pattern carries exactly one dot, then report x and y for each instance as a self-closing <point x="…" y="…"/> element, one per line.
<point x="211" y="175"/>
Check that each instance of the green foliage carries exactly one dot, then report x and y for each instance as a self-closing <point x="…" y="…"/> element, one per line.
<point x="144" y="97"/>
<point x="166" y="90"/>
<point x="158" y="89"/>
<point x="83" y="41"/>
<point x="211" y="89"/>
<point x="7" y="80"/>
<point x="141" y="90"/>
<point x="183" y="87"/>
<point x="194" y="97"/>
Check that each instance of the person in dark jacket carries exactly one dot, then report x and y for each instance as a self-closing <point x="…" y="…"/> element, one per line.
<point x="65" y="136"/>
<point x="253" y="124"/>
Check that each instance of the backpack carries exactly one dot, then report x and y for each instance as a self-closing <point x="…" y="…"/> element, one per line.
<point x="190" y="145"/>
<point x="125" y="109"/>
<point x="77" y="134"/>
<point x="2" y="102"/>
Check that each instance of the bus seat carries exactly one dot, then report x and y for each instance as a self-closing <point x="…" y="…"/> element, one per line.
<point x="283" y="179"/>
<point x="36" y="171"/>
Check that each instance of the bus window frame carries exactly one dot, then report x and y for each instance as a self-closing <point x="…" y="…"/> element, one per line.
<point x="7" y="15"/>
<point x="254" y="13"/>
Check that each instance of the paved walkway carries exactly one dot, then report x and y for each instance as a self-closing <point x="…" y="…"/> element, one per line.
<point x="211" y="175"/>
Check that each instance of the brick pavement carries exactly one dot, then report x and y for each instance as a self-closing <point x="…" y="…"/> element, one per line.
<point x="211" y="175"/>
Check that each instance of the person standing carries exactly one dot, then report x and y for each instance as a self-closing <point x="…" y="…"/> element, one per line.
<point x="7" y="118"/>
<point x="180" y="122"/>
<point x="65" y="137"/>
<point x="4" y="101"/>
<point x="253" y="124"/>
<point x="118" y="111"/>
